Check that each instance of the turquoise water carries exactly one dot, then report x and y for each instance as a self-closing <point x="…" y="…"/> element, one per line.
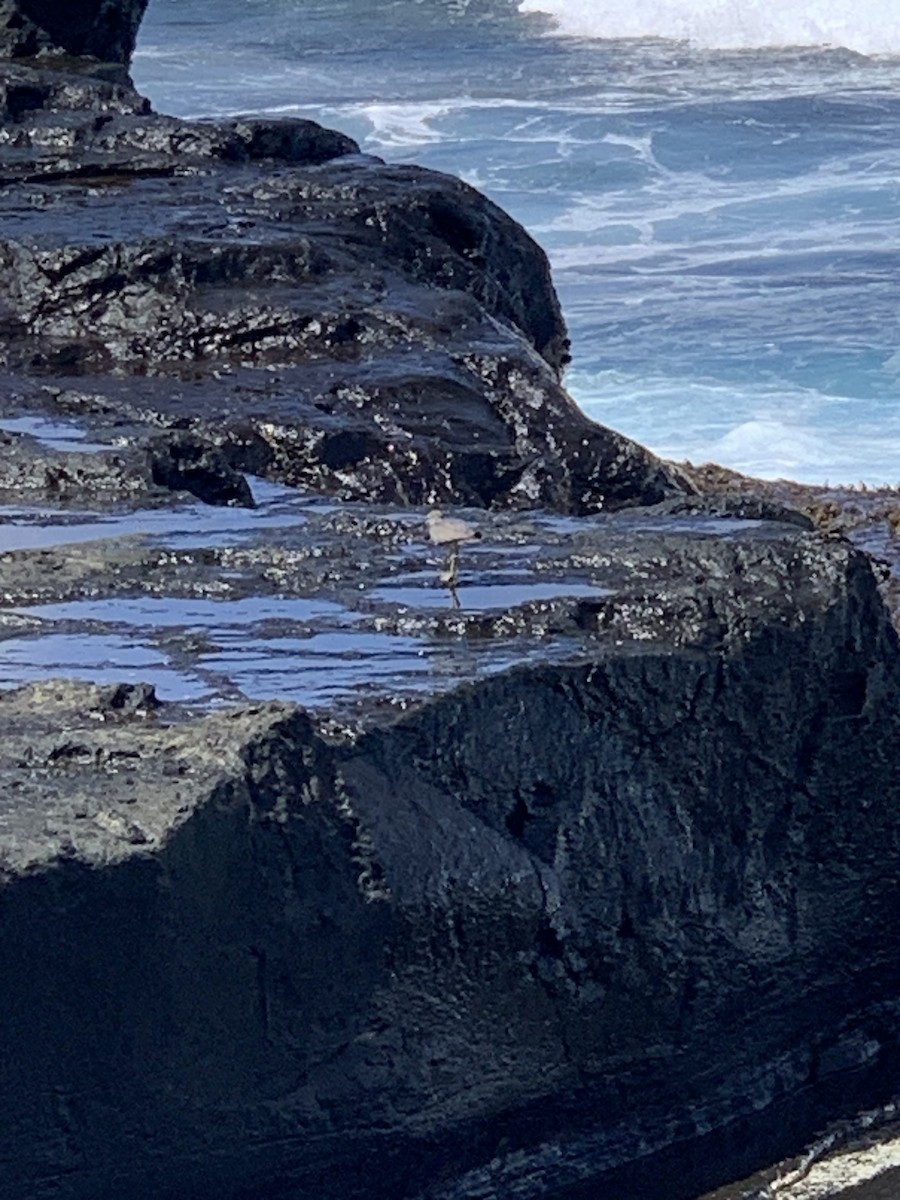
<point x="720" y="215"/>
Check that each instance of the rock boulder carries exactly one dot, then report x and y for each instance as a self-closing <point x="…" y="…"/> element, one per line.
<point x="99" y="29"/>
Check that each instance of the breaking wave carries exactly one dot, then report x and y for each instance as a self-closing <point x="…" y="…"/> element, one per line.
<point x="865" y="26"/>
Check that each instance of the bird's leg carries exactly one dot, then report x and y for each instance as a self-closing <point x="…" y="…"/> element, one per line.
<point x="451" y="575"/>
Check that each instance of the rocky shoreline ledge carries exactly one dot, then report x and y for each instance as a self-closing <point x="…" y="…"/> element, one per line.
<point x="317" y="880"/>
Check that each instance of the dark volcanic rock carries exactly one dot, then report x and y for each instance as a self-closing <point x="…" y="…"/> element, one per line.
<point x="185" y="462"/>
<point x="101" y="29"/>
<point x="27" y="94"/>
<point x="174" y="461"/>
<point x="584" y="863"/>
<point x="375" y="332"/>
<point x="501" y="941"/>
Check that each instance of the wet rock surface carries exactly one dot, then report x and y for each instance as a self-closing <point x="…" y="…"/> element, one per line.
<point x="867" y="517"/>
<point x="373" y="332"/>
<point x="318" y="880"/>
<point x="488" y="908"/>
<point x="311" y="599"/>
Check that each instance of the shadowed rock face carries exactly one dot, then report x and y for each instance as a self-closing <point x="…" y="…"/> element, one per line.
<point x="101" y="29"/>
<point x="505" y="939"/>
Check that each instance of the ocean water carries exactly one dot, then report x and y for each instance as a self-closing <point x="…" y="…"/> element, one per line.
<point x="717" y="185"/>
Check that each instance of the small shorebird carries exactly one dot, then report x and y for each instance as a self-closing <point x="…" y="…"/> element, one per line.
<point x="452" y="532"/>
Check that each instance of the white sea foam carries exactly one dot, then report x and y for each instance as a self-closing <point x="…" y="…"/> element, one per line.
<point x="771" y="433"/>
<point x="403" y="124"/>
<point x="866" y="26"/>
<point x="393" y="128"/>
